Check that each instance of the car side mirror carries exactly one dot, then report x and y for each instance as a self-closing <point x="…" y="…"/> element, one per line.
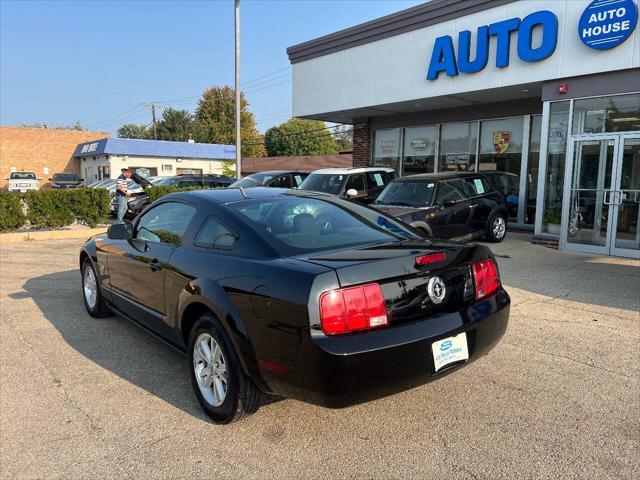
<point x="82" y="179"/>
<point x="446" y="203"/>
<point x="352" y="192"/>
<point x="120" y="231"/>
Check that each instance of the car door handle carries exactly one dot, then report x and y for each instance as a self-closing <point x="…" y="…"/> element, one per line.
<point x="473" y="206"/>
<point x="155" y="265"/>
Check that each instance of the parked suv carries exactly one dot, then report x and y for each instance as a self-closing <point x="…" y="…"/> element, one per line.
<point x="66" y="180"/>
<point x="22" y="181"/>
<point x="460" y="205"/>
<point x="273" y="178"/>
<point x="360" y="184"/>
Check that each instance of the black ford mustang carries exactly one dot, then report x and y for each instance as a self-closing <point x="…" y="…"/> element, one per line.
<point x="296" y="294"/>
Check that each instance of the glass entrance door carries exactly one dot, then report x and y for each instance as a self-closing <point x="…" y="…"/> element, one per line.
<point x="626" y="199"/>
<point x="602" y="197"/>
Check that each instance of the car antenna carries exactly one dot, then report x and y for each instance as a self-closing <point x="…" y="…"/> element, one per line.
<point x="244" y="194"/>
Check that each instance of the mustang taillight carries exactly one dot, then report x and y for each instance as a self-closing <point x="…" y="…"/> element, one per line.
<point x="351" y="309"/>
<point x="485" y="278"/>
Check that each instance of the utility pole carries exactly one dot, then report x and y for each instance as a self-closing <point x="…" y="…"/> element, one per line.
<point x="153" y="107"/>
<point x="238" y="141"/>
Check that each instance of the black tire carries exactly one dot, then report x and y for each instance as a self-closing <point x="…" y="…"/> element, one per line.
<point x="494" y="234"/>
<point x="100" y="309"/>
<point x="242" y="396"/>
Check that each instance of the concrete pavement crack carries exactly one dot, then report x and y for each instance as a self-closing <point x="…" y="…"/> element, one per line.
<point x="568" y="358"/>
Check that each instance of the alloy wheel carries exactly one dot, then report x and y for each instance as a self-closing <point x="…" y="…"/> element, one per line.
<point x="210" y="369"/>
<point x="90" y="287"/>
<point x="499" y="227"/>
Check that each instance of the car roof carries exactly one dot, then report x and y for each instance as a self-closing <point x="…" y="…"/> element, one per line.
<point x="275" y="172"/>
<point x="498" y="172"/>
<point x="347" y="171"/>
<point x="232" y="195"/>
<point x="434" y="177"/>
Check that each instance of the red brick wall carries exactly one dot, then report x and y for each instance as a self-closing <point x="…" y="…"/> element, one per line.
<point x="33" y="149"/>
<point x="361" y="144"/>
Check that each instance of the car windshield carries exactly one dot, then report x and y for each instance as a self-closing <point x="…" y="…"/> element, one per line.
<point x="407" y="193"/>
<point x="23" y="176"/>
<point x="253" y="180"/>
<point x="66" y="177"/>
<point x="297" y="224"/>
<point x="323" y="182"/>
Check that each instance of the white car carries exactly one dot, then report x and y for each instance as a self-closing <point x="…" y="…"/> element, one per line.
<point x="22" y="181"/>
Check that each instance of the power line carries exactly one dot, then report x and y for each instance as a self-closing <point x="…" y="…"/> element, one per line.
<point x="267" y="86"/>
<point x="264" y="76"/>
<point x="115" y="117"/>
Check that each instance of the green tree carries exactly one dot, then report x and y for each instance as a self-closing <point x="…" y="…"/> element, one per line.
<point x="344" y="137"/>
<point x="131" y="130"/>
<point x="175" y="125"/>
<point x="290" y="138"/>
<point x="229" y="168"/>
<point x="215" y="121"/>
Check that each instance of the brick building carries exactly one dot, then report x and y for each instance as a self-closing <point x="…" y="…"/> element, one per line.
<point x="41" y="150"/>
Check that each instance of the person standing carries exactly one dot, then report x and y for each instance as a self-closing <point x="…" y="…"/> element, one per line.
<point x="122" y="194"/>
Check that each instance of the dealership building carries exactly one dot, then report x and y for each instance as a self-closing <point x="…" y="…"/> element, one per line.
<point x="104" y="158"/>
<point x="547" y="91"/>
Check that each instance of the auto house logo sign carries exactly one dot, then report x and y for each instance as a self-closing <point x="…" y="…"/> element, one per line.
<point x="606" y="24"/>
<point x="420" y="143"/>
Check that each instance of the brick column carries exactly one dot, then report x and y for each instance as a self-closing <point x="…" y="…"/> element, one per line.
<point x="361" y="144"/>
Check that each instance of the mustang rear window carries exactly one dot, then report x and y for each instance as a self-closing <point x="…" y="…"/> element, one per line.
<point x="300" y="224"/>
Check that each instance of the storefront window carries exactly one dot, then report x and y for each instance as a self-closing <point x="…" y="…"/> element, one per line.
<point x="458" y="143"/>
<point x="619" y="113"/>
<point x="532" y="170"/>
<point x="556" y="160"/>
<point x="501" y="151"/>
<point x="419" y="150"/>
<point x="386" y="149"/>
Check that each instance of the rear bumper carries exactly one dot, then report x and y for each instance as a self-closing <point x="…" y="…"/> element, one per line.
<point x="341" y="371"/>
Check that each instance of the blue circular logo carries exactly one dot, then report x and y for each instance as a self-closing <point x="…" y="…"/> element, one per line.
<point x="606" y="24"/>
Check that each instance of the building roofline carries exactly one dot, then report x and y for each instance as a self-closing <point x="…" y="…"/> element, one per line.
<point x="420" y="16"/>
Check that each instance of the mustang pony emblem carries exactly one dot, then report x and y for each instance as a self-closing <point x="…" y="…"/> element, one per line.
<point x="501" y="141"/>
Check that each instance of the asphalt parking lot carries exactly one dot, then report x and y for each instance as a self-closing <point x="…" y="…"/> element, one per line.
<point x="558" y="398"/>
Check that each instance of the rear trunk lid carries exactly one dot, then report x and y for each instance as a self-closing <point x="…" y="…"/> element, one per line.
<point x="406" y="286"/>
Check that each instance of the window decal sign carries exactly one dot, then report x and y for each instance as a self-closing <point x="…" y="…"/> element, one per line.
<point x="607" y="23"/>
<point x="457" y="159"/>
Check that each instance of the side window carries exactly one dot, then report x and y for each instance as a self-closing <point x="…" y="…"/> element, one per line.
<point x="448" y="191"/>
<point x="356" y="182"/>
<point x="214" y="234"/>
<point x="477" y="186"/>
<point x="283" y="181"/>
<point x="165" y="223"/>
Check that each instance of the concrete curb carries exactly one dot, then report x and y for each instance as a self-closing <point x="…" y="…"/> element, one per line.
<point x="17" y="237"/>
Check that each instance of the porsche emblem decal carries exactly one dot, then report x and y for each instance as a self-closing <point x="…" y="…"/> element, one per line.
<point x="501" y="141"/>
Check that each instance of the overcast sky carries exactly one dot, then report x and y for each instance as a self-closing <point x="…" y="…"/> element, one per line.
<point x="95" y="62"/>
